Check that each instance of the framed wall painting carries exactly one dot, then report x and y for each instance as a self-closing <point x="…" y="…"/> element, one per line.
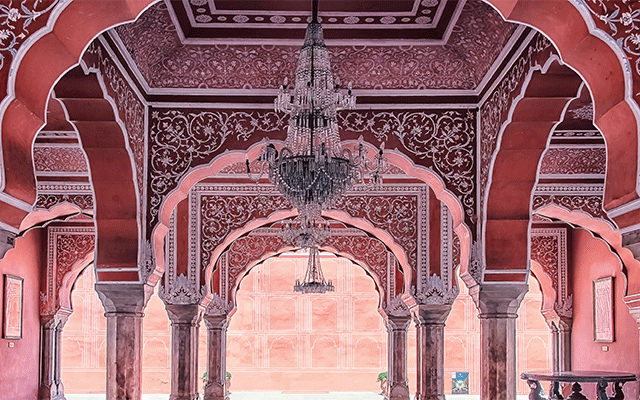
<point x="603" y="310"/>
<point x="12" y="316"/>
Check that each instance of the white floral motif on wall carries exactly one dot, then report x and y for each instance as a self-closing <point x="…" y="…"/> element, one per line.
<point x="621" y="20"/>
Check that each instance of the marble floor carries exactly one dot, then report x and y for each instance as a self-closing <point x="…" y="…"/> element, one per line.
<point x="280" y="396"/>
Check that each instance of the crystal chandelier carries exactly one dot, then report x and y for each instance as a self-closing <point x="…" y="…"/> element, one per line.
<point x="312" y="171"/>
<point x="314" y="281"/>
<point x="309" y="233"/>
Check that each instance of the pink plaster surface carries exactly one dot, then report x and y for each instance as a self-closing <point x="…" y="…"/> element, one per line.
<point x="20" y="362"/>
<point x="281" y="341"/>
<point x="592" y="260"/>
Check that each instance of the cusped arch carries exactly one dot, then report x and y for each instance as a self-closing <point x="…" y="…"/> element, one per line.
<point x="521" y="143"/>
<point x="59" y="46"/>
<point x="549" y="294"/>
<point x="239" y="156"/>
<point x="103" y="142"/>
<point x="241" y="256"/>
<point x="595" y="56"/>
<point x="604" y="231"/>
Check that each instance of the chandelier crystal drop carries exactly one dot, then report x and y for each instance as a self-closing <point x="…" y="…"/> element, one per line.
<point x="304" y="232"/>
<point x="314" y="281"/>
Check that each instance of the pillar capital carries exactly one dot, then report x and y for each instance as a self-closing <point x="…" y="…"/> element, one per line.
<point x="124" y="297"/>
<point x="184" y="314"/>
<point x="55" y="320"/>
<point x="432" y="314"/>
<point x="216" y="322"/>
<point x="397" y="323"/>
<point x="499" y="300"/>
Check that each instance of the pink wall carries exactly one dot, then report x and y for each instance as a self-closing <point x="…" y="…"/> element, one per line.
<point x="20" y="363"/>
<point x="281" y="341"/>
<point x="591" y="260"/>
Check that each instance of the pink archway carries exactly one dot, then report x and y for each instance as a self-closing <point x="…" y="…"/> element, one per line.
<point x="59" y="47"/>
<point x="608" y="234"/>
<point x="598" y="64"/>
<point x="237" y="156"/>
<point x="275" y="253"/>
<point x="103" y="143"/>
<point x="80" y="22"/>
<point x="522" y="142"/>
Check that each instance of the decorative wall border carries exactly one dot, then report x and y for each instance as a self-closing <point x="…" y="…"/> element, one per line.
<point x="549" y="249"/>
<point x="60" y="261"/>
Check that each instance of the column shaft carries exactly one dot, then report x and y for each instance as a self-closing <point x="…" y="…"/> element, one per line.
<point x="498" y="304"/>
<point x="430" y="322"/>
<point x="124" y="303"/>
<point x="398" y="384"/>
<point x="51" y="387"/>
<point x="185" y="320"/>
<point x="215" y="389"/>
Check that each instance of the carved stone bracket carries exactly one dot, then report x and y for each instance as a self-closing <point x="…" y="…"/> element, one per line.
<point x="397" y="307"/>
<point x="218" y="306"/>
<point x="476" y="263"/>
<point x="182" y="291"/>
<point x="146" y="261"/>
<point x="435" y="292"/>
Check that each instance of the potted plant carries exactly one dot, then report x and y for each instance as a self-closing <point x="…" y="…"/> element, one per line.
<point x="383" y="378"/>
<point x="227" y="386"/>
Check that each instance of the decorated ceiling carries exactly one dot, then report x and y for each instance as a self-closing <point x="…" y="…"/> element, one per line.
<point x="223" y="57"/>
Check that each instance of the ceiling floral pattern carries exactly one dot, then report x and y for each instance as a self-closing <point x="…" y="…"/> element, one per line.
<point x="165" y="62"/>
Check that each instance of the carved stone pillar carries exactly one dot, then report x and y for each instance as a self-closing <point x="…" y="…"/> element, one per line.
<point x="185" y="320"/>
<point x="398" y="384"/>
<point x="51" y="387"/>
<point x="124" y="304"/>
<point x="498" y="304"/>
<point x="561" y="343"/>
<point x="430" y="321"/>
<point x="215" y="388"/>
